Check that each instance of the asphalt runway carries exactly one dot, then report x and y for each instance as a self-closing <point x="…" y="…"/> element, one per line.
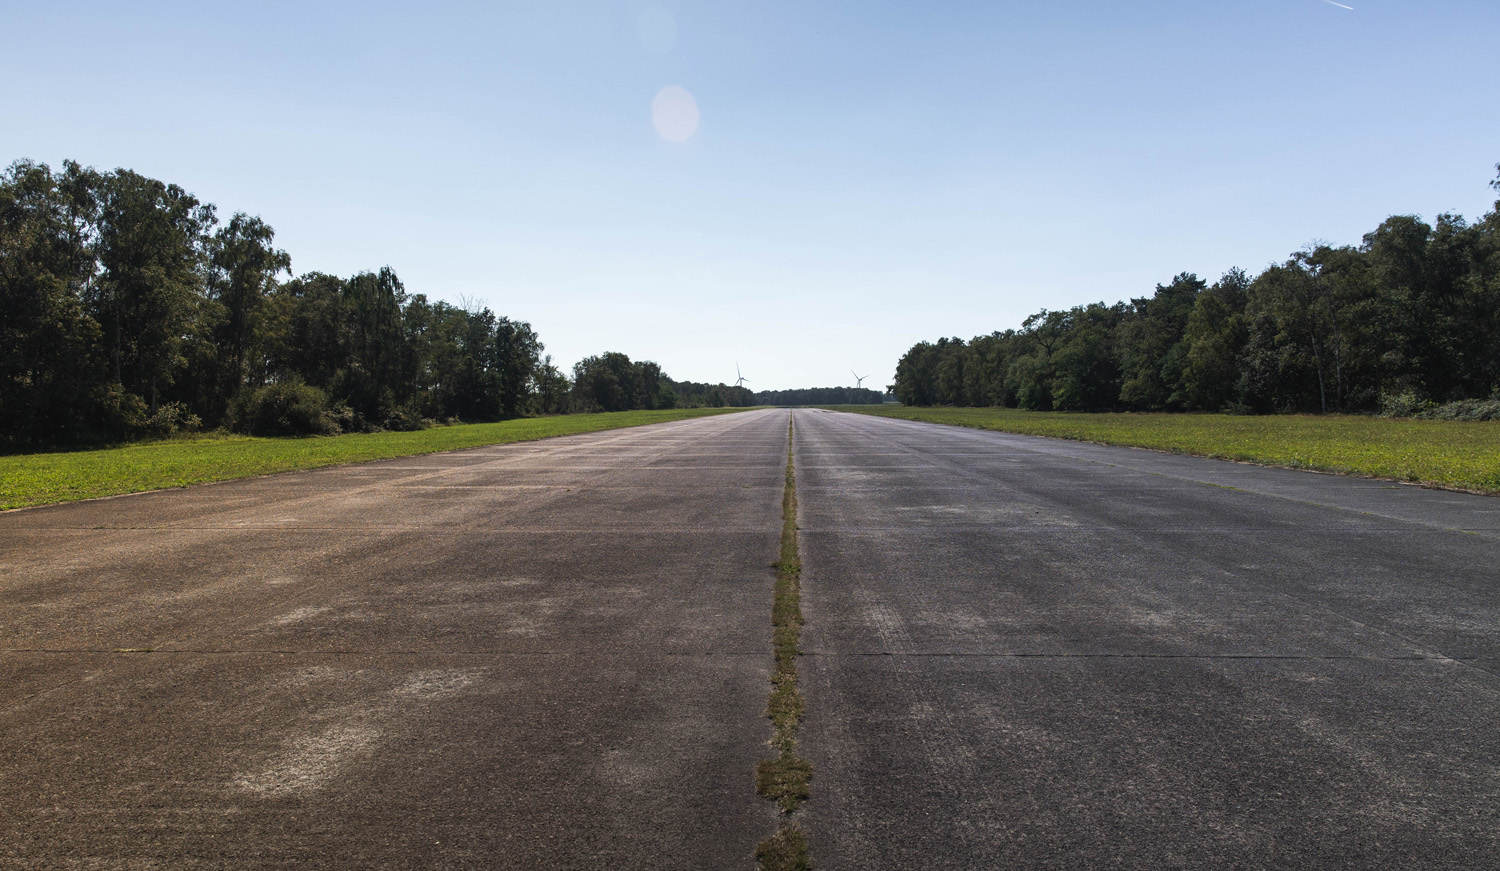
<point x="1027" y="653"/>
<point x="551" y="654"/>
<point x="1019" y="653"/>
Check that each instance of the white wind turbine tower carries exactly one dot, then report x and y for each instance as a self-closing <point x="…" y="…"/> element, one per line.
<point x="740" y="381"/>
<point x="859" y="380"/>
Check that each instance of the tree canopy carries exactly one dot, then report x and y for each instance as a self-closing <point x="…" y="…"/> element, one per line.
<point x="1409" y="317"/>
<point x="127" y="309"/>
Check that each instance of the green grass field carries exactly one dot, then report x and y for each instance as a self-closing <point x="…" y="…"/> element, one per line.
<point x="39" y="479"/>
<point x="1444" y="453"/>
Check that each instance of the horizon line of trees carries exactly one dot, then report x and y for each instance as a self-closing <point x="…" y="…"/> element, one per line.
<point x="128" y="309"/>
<point x="613" y="382"/>
<point x="821" y="396"/>
<point x="1408" y="319"/>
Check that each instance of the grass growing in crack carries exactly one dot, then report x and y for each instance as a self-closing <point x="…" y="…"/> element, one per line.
<point x="786" y="778"/>
<point x="784" y="851"/>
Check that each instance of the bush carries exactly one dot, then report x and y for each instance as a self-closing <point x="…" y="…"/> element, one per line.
<point x="1404" y="404"/>
<point x="172" y="418"/>
<point x="1408" y="405"/>
<point x="404" y="421"/>
<point x="1466" y="409"/>
<point x="285" y="408"/>
<point x="122" y="415"/>
<point x="347" y="419"/>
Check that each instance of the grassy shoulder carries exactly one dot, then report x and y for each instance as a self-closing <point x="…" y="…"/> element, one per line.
<point x="1457" y="454"/>
<point x="40" y="479"/>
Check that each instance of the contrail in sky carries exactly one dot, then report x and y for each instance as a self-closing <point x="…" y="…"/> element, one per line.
<point x="1339" y="5"/>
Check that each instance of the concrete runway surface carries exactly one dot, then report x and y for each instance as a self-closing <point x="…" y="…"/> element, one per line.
<point x="1029" y="653"/>
<point x="551" y="654"/>
<point x="1020" y="653"/>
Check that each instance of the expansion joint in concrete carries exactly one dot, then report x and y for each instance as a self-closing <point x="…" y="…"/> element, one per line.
<point x="785" y="778"/>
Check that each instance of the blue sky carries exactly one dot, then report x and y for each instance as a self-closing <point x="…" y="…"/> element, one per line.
<point x="864" y="175"/>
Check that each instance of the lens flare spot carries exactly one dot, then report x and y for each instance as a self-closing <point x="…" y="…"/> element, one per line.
<point x="675" y="114"/>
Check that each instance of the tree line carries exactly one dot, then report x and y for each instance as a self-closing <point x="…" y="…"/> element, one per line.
<point x="128" y="309"/>
<point x="821" y="396"/>
<point x="1408" y="319"/>
<point x="614" y="382"/>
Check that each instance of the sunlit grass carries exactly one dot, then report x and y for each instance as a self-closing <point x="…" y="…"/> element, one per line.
<point x="38" y="479"/>
<point x="1457" y="454"/>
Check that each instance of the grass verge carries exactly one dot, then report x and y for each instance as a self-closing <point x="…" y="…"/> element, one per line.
<point x="1460" y="455"/>
<point x="785" y="779"/>
<point x="40" y="479"/>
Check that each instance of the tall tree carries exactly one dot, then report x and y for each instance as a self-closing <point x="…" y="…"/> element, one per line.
<point x="151" y="240"/>
<point x="552" y="388"/>
<point x="1215" y="336"/>
<point x="517" y="352"/>
<point x="1086" y="373"/>
<point x="372" y="383"/>
<point x="46" y="340"/>
<point x="243" y="267"/>
<point x="1150" y="343"/>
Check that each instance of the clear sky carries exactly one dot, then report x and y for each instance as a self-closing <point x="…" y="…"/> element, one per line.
<point x="859" y="175"/>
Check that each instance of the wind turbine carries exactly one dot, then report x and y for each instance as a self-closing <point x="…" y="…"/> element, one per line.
<point x="859" y="380"/>
<point x="740" y="381"/>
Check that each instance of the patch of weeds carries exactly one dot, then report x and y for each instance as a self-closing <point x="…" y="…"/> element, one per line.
<point x="786" y="705"/>
<point x="784" y="851"/>
<point x="784" y="780"/>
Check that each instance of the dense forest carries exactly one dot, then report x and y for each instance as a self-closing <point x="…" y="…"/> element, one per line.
<point x="1407" y="320"/>
<point x="128" y="309"/>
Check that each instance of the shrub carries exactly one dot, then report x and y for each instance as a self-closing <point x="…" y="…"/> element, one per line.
<point x="1404" y="404"/>
<point x="1465" y="409"/>
<point x="404" y="421"/>
<point x="122" y="414"/>
<point x="172" y="418"/>
<point x="285" y="408"/>
<point x="347" y="419"/>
